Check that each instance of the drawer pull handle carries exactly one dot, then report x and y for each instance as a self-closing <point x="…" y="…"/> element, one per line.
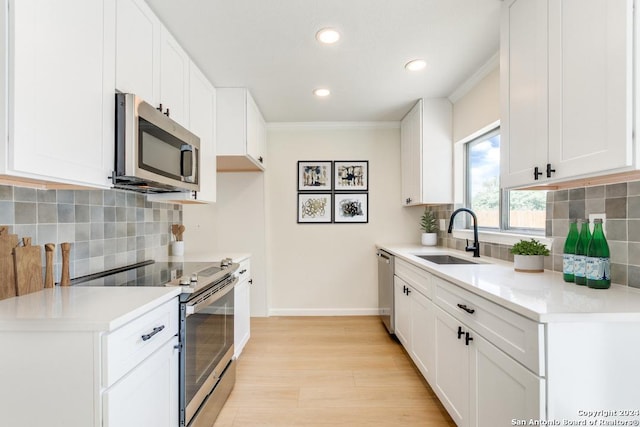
<point x="243" y="271"/>
<point x="460" y="333"/>
<point x="150" y="335"/>
<point x="467" y="309"/>
<point x="468" y="338"/>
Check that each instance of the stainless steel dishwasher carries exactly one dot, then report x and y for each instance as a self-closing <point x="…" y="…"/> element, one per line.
<point x="385" y="289"/>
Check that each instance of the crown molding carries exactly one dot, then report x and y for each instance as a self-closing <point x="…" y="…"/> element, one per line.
<point x="471" y="82"/>
<point x="331" y="125"/>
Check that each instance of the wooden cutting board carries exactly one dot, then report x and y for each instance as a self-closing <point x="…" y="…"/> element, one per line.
<point x="7" y="272"/>
<point x="28" y="267"/>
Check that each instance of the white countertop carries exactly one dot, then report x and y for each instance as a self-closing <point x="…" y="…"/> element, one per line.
<point x="78" y="308"/>
<point x="543" y="297"/>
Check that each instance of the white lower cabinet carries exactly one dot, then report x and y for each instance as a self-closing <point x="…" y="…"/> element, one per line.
<point x="414" y="325"/>
<point x="501" y="389"/>
<point x="482" y="361"/>
<point x="478" y="383"/>
<point x="242" y="313"/>
<point x="148" y="395"/>
<point x="83" y="375"/>
<point x="451" y="382"/>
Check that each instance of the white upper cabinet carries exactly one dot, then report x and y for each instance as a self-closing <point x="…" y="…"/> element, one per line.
<point x="566" y="88"/>
<point x="61" y="74"/>
<point x="240" y="131"/>
<point x="138" y="50"/>
<point x="150" y="62"/>
<point x="202" y="113"/>
<point x="426" y="149"/>
<point x="174" y="78"/>
<point x="201" y="121"/>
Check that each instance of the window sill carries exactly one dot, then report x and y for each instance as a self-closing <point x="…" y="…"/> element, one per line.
<point x="501" y="238"/>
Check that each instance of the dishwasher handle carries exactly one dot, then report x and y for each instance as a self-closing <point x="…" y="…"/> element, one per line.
<point x="384" y="257"/>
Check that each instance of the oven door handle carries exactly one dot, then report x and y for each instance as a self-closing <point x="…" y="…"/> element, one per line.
<point x="209" y="298"/>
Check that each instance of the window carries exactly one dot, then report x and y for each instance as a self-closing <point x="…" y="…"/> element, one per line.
<point x="514" y="210"/>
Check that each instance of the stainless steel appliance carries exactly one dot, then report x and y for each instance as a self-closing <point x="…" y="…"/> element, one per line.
<point x="153" y="153"/>
<point x="386" y="265"/>
<point x="207" y="370"/>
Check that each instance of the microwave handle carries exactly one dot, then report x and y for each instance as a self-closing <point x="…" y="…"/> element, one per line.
<point x="186" y="161"/>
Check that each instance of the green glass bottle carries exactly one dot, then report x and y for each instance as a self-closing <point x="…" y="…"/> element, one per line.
<point x="580" y="259"/>
<point x="598" y="263"/>
<point x="570" y="251"/>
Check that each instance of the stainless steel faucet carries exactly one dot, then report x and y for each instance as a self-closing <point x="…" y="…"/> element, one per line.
<point x="476" y="244"/>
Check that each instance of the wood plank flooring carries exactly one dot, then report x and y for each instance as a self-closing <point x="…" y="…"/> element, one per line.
<point x="328" y="371"/>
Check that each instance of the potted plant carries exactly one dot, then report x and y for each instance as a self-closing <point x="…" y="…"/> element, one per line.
<point x="528" y="256"/>
<point x="429" y="227"/>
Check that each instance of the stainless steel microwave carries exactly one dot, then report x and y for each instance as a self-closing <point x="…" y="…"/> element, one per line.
<point x="153" y="153"/>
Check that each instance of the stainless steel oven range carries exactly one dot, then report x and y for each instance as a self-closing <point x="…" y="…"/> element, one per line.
<point x="207" y="369"/>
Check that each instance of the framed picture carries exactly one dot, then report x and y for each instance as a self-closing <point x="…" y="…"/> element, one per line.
<point x="314" y="207"/>
<point x="351" y="207"/>
<point x="314" y="175"/>
<point x="351" y="175"/>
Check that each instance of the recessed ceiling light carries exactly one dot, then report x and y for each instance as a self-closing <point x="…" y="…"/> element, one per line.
<point x="415" y="65"/>
<point x="327" y="36"/>
<point x="322" y="92"/>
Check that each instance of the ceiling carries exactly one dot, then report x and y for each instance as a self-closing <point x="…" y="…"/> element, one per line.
<point x="269" y="46"/>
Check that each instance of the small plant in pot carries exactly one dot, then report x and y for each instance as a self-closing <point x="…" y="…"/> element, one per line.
<point x="429" y="227"/>
<point x="528" y="256"/>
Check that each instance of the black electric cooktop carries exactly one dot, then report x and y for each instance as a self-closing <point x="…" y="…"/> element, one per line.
<point x="151" y="273"/>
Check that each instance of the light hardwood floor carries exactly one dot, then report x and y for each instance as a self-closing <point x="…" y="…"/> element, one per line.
<point x="328" y="371"/>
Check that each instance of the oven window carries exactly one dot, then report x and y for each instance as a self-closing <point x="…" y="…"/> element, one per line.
<point x="209" y="336"/>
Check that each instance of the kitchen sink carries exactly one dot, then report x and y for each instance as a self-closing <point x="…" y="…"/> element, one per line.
<point x="446" y="259"/>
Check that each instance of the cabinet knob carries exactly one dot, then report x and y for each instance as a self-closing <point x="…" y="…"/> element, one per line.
<point x="166" y="113"/>
<point x="468" y="338"/>
<point x="159" y="108"/>
<point x="260" y="159"/>
<point x="251" y="281"/>
<point x="408" y="200"/>
<point x="460" y="332"/>
<point x="549" y="170"/>
<point x="408" y="291"/>
<point x="244" y="270"/>
<point x="536" y="173"/>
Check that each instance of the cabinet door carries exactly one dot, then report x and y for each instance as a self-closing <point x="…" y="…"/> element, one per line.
<point x="148" y="395"/>
<point x="137" y="50"/>
<point x="201" y="122"/>
<point x="451" y="368"/>
<point x="411" y="155"/>
<point x="241" y="317"/>
<point x="501" y="389"/>
<point x="174" y="78"/>
<point x="255" y="131"/>
<point x="423" y="323"/>
<point x="523" y="90"/>
<point x="62" y="101"/>
<point x="590" y="86"/>
<point x="402" y="311"/>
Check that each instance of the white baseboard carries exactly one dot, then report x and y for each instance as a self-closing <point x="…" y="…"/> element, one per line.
<point x="324" y="312"/>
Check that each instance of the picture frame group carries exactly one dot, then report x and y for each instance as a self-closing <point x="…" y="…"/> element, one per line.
<point x="333" y="191"/>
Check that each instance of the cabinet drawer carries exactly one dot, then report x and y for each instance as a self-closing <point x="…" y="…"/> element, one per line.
<point x="519" y="337"/>
<point x="126" y="347"/>
<point x="244" y="272"/>
<point x="414" y="276"/>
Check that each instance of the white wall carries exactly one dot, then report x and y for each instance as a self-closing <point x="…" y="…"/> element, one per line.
<point x="331" y="268"/>
<point x="235" y="224"/>
<point x="478" y="108"/>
